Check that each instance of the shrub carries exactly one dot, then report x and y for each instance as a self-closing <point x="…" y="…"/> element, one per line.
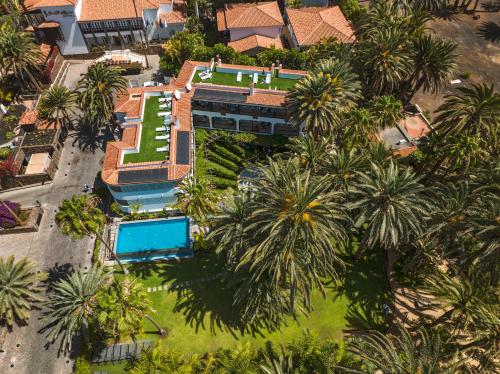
<point x="226" y="153"/>
<point x="220" y="170"/>
<point x="4" y="153"/>
<point x="82" y="366"/>
<point x="234" y="148"/>
<point x="218" y="159"/>
<point x="7" y="220"/>
<point x="10" y="135"/>
<point x="222" y="183"/>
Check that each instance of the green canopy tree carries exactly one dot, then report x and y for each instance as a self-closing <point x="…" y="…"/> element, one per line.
<point x="58" y="103"/>
<point x="19" y="290"/>
<point x="81" y="217"/>
<point x="196" y="198"/>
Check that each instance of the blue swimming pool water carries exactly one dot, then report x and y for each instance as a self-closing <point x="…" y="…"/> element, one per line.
<point x="144" y="240"/>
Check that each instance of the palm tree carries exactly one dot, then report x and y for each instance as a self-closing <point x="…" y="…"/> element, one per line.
<point x="72" y="305"/>
<point x="391" y="205"/>
<point x="386" y="111"/>
<point x="122" y="310"/>
<point x="434" y="62"/>
<point x="475" y="111"/>
<point x="58" y="104"/>
<point x="403" y="354"/>
<point x="196" y="198"/>
<point x="293" y="219"/>
<point x="310" y="151"/>
<point x="342" y="167"/>
<point x="19" y="55"/>
<point x="386" y="58"/>
<point x="81" y="217"/>
<point x="315" y="103"/>
<point x="359" y="129"/>
<point x="96" y="90"/>
<point x="18" y="290"/>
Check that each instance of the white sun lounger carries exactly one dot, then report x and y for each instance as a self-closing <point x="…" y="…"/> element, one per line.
<point x="163" y="106"/>
<point x="162" y="99"/>
<point x="205" y="75"/>
<point x="239" y="76"/>
<point x="255" y="78"/>
<point x="162" y="137"/>
<point x="163" y="128"/>
<point x="268" y="78"/>
<point x="162" y="149"/>
<point x="164" y="114"/>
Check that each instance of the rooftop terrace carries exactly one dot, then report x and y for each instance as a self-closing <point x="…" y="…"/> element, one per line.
<point x="230" y="79"/>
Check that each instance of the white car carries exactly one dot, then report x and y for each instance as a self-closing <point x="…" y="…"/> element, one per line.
<point x="152" y="84"/>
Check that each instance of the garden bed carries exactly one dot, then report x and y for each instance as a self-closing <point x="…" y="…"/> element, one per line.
<point x="31" y="218"/>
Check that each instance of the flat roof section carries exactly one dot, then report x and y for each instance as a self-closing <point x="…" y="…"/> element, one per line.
<point x="182" y="153"/>
<point x="142" y="176"/>
<point x="219" y="95"/>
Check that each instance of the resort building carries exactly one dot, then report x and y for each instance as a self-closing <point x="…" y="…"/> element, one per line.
<point x="82" y="26"/>
<point x="156" y="150"/>
<point x="251" y="27"/>
<point x="308" y="26"/>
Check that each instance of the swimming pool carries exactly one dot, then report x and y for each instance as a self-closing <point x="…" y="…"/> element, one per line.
<point x="153" y="240"/>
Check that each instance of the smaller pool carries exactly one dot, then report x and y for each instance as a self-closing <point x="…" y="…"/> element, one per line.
<point x="153" y="240"/>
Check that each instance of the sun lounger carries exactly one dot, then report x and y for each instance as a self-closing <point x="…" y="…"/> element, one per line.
<point x="164" y="114"/>
<point x="239" y="76"/>
<point x="205" y="75"/>
<point x="268" y="78"/>
<point x="158" y="129"/>
<point x="162" y="149"/>
<point x="255" y="78"/>
<point x="162" y="100"/>
<point x="162" y="137"/>
<point x="163" y="106"/>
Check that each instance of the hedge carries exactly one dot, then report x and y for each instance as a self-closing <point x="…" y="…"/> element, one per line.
<point x="231" y="145"/>
<point x="222" y="183"/>
<point x="223" y="151"/>
<point x="220" y="170"/>
<point x="217" y="158"/>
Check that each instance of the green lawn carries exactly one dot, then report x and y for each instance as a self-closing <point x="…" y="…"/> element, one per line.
<point x="228" y="79"/>
<point x="200" y="319"/>
<point x="148" y="142"/>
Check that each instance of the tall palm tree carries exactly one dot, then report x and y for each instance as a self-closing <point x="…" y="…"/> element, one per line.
<point x="475" y="111"/>
<point x="122" y="310"/>
<point x="391" y="205"/>
<point x="292" y="223"/>
<point x="310" y="151"/>
<point x="434" y="62"/>
<point x="196" y="198"/>
<point x="96" y="90"/>
<point x="404" y="354"/>
<point x="19" y="55"/>
<point x="18" y="290"/>
<point x="387" y="60"/>
<point x="72" y="305"/>
<point x="315" y="104"/>
<point x="58" y="104"/>
<point x="342" y="167"/>
<point x="81" y="217"/>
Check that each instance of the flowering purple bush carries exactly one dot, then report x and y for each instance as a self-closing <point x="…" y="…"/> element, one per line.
<point x="7" y="220"/>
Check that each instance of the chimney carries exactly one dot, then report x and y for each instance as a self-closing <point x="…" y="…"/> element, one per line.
<point x="251" y="89"/>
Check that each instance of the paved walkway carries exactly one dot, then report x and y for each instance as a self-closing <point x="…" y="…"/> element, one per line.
<point x="25" y="350"/>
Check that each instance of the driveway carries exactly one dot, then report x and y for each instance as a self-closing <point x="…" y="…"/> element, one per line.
<point x="25" y="351"/>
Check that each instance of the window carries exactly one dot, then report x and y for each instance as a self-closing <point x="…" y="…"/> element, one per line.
<point x="110" y="25"/>
<point x="224" y="123"/>
<point x="200" y="121"/>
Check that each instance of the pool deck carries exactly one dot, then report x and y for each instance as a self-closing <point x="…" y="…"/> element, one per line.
<point x="112" y="234"/>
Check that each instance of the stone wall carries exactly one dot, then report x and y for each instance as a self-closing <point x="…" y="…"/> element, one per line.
<point x="32" y="225"/>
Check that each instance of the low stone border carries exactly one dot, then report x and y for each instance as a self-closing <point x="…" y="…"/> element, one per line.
<point x="183" y="285"/>
<point x="36" y="214"/>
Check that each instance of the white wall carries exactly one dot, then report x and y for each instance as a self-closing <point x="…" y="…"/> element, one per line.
<point x="167" y="32"/>
<point x="73" y="42"/>
<point x="271" y="32"/>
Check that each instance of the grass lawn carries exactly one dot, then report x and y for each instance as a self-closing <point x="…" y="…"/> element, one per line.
<point x="228" y="79"/>
<point x="148" y="142"/>
<point x="200" y="318"/>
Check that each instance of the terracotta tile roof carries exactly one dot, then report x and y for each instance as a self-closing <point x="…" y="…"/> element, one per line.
<point x="181" y="114"/>
<point x="310" y="25"/>
<point x="35" y="4"/>
<point x="98" y="10"/>
<point x="243" y="15"/>
<point x="255" y="41"/>
<point x="28" y="118"/>
<point x="177" y="15"/>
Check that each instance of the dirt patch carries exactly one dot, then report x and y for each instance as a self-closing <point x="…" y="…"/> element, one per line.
<point x="478" y="50"/>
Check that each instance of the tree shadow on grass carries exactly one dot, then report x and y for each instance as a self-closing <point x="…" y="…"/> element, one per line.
<point x="490" y="31"/>
<point x="366" y="287"/>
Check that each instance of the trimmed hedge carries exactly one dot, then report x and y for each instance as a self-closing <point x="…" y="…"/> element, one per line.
<point x="223" y="151"/>
<point x="222" y="183"/>
<point x="220" y="170"/>
<point x="217" y="158"/>
<point x="234" y="148"/>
